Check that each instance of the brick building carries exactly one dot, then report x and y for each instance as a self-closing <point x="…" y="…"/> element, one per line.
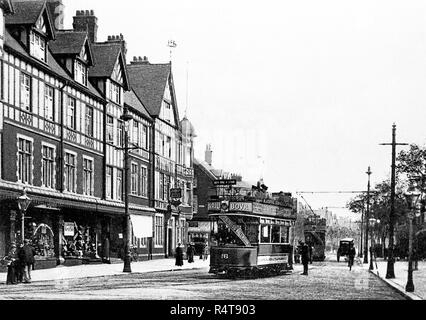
<point x="63" y="94"/>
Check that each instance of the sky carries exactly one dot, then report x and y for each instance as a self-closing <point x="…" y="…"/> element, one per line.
<point x="300" y="93"/>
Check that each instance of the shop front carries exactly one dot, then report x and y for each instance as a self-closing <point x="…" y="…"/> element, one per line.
<point x="199" y="233"/>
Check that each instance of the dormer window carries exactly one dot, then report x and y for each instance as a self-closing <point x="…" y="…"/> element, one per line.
<point x="37" y="46"/>
<point x="80" y="72"/>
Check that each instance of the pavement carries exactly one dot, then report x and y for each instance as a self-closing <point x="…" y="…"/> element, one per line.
<point x="401" y="276"/>
<point x="99" y="270"/>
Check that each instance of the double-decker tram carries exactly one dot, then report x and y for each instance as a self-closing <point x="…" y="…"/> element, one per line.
<point x="252" y="236"/>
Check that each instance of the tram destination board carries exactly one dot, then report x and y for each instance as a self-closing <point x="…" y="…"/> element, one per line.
<point x="225" y="182"/>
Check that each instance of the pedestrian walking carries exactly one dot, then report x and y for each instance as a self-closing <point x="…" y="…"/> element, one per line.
<point x="190" y="252"/>
<point x="179" y="255"/>
<point x="351" y="255"/>
<point x="205" y="250"/>
<point x="305" y="258"/>
<point x="26" y="259"/>
<point x="105" y="252"/>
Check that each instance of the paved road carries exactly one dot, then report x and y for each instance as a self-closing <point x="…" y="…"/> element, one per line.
<point x="326" y="281"/>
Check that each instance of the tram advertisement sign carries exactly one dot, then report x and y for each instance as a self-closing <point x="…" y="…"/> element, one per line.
<point x="241" y="206"/>
<point x="69" y="229"/>
<point x="265" y="260"/>
<point x="225" y="182"/>
<point x="214" y="206"/>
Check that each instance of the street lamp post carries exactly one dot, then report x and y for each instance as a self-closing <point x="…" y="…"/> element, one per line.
<point x="412" y="198"/>
<point x="23" y="204"/>
<point x="126" y="117"/>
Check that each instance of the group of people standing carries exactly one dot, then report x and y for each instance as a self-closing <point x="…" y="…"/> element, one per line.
<point x="20" y="262"/>
<point x="190" y="253"/>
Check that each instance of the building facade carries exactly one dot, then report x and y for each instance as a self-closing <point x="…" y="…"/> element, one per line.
<point x="173" y="144"/>
<point x="63" y="97"/>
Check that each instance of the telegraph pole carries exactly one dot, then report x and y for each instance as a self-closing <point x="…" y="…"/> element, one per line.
<point x="390" y="273"/>
<point x="367" y="217"/>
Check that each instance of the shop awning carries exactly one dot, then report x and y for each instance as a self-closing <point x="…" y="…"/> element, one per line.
<point x="142" y="226"/>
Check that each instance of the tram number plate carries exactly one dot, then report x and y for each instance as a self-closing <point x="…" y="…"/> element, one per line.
<point x="225" y="256"/>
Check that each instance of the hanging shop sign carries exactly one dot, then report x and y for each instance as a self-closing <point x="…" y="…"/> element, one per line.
<point x="175" y="193"/>
<point x="69" y="230"/>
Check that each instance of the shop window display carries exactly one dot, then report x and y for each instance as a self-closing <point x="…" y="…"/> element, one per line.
<point x="82" y="244"/>
<point x="42" y="240"/>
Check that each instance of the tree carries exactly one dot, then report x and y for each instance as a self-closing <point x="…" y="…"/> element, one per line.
<point x="380" y="206"/>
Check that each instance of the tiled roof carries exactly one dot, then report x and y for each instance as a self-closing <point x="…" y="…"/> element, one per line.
<point x="51" y="62"/>
<point x="106" y="55"/>
<point x="149" y="82"/>
<point x="68" y="42"/>
<point x="26" y="12"/>
<point x="131" y="99"/>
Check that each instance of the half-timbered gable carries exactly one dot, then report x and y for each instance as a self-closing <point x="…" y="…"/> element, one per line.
<point x="109" y="75"/>
<point x="74" y="53"/>
<point x="31" y="25"/>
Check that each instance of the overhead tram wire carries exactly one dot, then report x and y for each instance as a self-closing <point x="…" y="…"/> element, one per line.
<point x="326" y="192"/>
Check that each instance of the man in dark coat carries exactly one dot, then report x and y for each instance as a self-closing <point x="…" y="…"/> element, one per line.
<point x="26" y="258"/>
<point x="305" y="258"/>
<point x="351" y="255"/>
<point x="179" y="256"/>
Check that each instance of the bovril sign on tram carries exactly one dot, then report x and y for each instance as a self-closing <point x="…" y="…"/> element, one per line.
<point x="251" y="207"/>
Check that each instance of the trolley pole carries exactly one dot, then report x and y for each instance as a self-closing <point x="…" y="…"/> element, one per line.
<point x="390" y="272"/>
<point x="367" y="217"/>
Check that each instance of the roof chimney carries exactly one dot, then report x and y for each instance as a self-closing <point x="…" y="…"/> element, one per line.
<point x="86" y="21"/>
<point x="119" y="39"/>
<point x="209" y="155"/>
<point x="56" y="11"/>
<point x="140" y="60"/>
